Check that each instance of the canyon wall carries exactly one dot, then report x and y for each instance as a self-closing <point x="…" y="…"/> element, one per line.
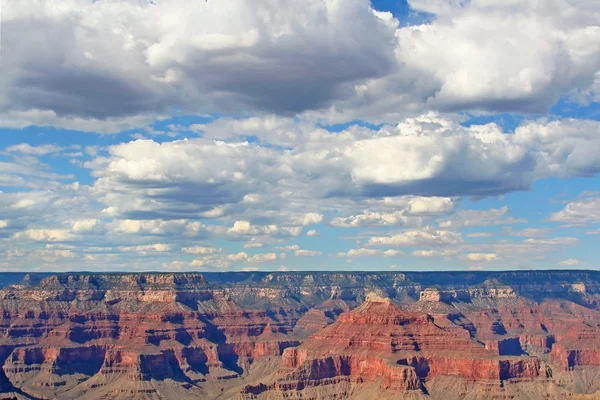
<point x="300" y="335"/>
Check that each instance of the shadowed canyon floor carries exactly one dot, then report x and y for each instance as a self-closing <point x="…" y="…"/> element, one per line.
<point x="321" y="335"/>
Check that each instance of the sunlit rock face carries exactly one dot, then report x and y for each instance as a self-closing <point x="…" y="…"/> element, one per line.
<point x="302" y="335"/>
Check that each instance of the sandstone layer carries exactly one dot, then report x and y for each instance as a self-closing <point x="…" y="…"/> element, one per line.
<point x="301" y="335"/>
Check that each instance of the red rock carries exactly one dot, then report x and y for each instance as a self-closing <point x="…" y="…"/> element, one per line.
<point x="165" y="335"/>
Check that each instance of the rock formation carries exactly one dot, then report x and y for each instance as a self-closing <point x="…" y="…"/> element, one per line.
<point x="301" y="335"/>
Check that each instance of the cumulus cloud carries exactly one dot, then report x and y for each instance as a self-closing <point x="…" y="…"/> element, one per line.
<point x="469" y="218"/>
<point x="529" y="232"/>
<point x="370" y="176"/>
<point x="434" y="253"/>
<point x="262" y="258"/>
<point x="353" y="253"/>
<point x="85" y="225"/>
<point x="366" y="252"/>
<point x="476" y="268"/>
<point x="184" y="192"/>
<point x="307" y="253"/>
<point x="242" y="256"/>
<point x="254" y="245"/>
<point x="160" y="227"/>
<point x="580" y="212"/>
<point x="138" y="59"/>
<point x="135" y="60"/>
<point x="479" y="235"/>
<point x="149" y="248"/>
<point x="201" y="250"/>
<point x="312" y="219"/>
<point x="479" y="257"/>
<point x="569" y="262"/>
<point x="259" y="258"/>
<point x="563" y="241"/>
<point x="426" y="237"/>
<point x="244" y="229"/>
<point x="46" y="235"/>
<point x="396" y="211"/>
<point x="26" y="148"/>
<point x="393" y="253"/>
<point x="370" y="218"/>
<point x="442" y="158"/>
<point x="292" y="247"/>
<point x="461" y="59"/>
<point x="522" y="252"/>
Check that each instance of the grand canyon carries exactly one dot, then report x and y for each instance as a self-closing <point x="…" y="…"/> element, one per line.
<point x="292" y="335"/>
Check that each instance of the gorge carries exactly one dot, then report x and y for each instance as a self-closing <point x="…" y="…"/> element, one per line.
<point x="301" y="335"/>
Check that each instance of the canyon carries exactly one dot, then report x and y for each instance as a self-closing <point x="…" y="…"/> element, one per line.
<point x="301" y="335"/>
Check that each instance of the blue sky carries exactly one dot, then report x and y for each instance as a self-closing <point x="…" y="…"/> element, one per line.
<point x="319" y="135"/>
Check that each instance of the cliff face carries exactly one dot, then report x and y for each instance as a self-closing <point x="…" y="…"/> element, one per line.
<point x="299" y="335"/>
<point x="378" y="341"/>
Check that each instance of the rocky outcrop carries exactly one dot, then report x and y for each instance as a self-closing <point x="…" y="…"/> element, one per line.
<point x="569" y="358"/>
<point x="298" y="335"/>
<point x="378" y="341"/>
<point x="466" y="295"/>
<point x="579" y="346"/>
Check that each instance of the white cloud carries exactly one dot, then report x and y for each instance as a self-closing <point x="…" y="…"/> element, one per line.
<point x="140" y="58"/>
<point x="244" y="228"/>
<point x="63" y="253"/>
<point x="529" y="232"/>
<point x="307" y="253"/>
<point x="345" y="172"/>
<point x="476" y="268"/>
<point x="201" y="250"/>
<point x="149" y="248"/>
<point x="85" y="225"/>
<point x="240" y="228"/>
<point x="479" y="235"/>
<point x="570" y="262"/>
<point x="563" y="241"/>
<point x="262" y="258"/>
<point x="254" y="245"/>
<point x="292" y="247"/>
<point x="431" y="206"/>
<point x="157" y="227"/>
<point x="517" y="253"/>
<point x="396" y="211"/>
<point x="242" y="256"/>
<point x="45" y="235"/>
<point x="312" y="232"/>
<point x="312" y="219"/>
<point x="393" y="253"/>
<point x="434" y="253"/>
<point x="359" y="253"/>
<point x="479" y="257"/>
<point x="427" y="237"/>
<point x="518" y="56"/>
<point x="470" y="218"/>
<point x="26" y="148"/>
<point x="580" y="212"/>
<point x="440" y="157"/>
<point x="370" y="218"/>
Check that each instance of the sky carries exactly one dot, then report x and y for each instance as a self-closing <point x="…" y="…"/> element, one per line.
<point x="264" y="135"/>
